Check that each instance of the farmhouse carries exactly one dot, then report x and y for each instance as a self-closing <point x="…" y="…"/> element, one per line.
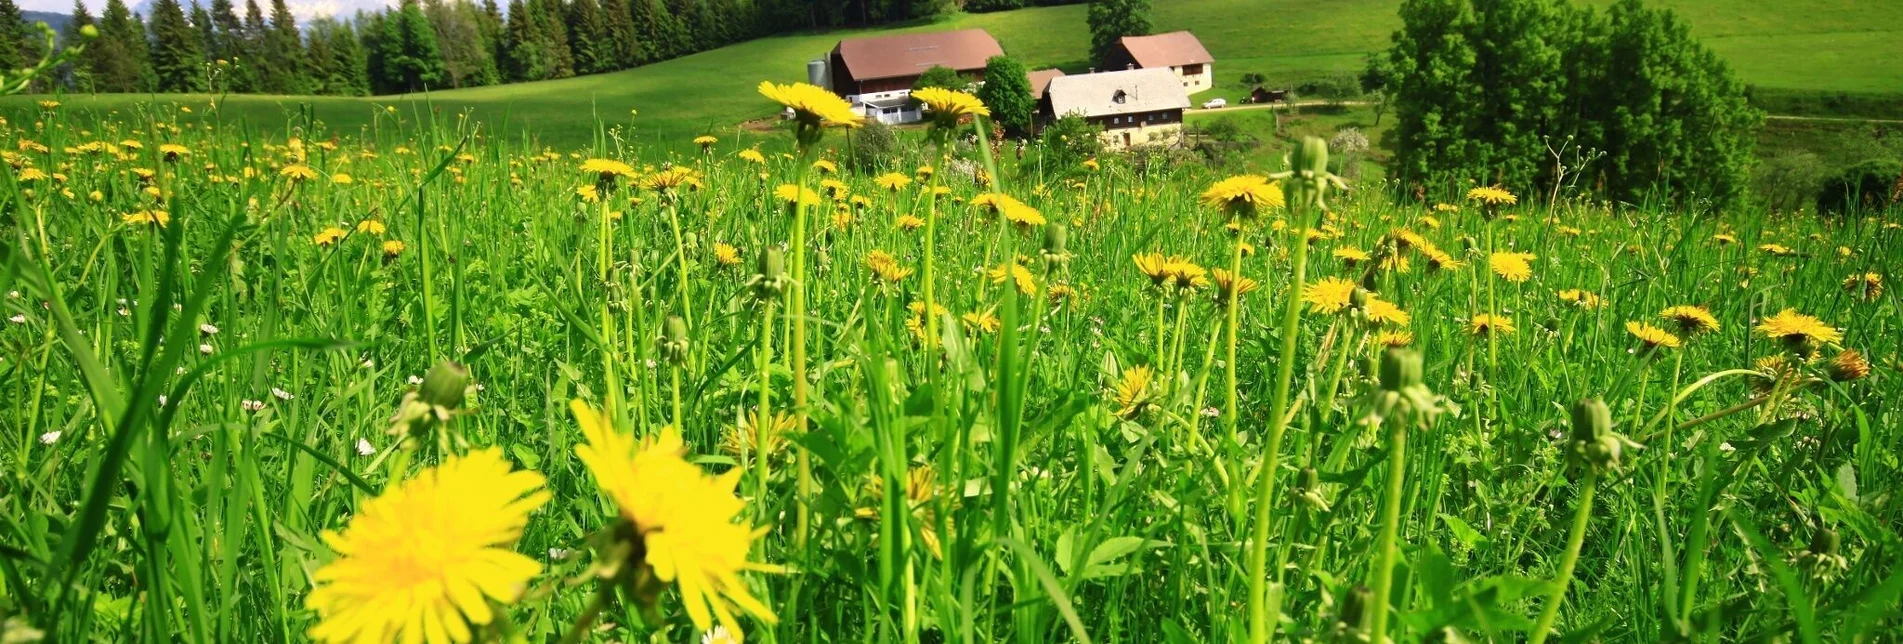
<point x="876" y="73"/>
<point x="1041" y="79"/>
<point x="1177" y="51"/>
<point x="1134" y="107"/>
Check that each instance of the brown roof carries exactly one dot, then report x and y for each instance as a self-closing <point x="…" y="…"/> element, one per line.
<point x="1173" y="49"/>
<point x="911" y="54"/>
<point x="1041" y="79"/>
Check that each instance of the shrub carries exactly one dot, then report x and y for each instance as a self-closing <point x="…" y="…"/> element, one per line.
<point x="941" y="76"/>
<point x="1007" y="91"/>
<point x="1067" y="142"/>
<point x="1864" y="187"/>
<point x="874" y="147"/>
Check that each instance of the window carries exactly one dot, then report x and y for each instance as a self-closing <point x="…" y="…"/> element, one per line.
<point x="1119" y="97"/>
<point x="1193" y="70"/>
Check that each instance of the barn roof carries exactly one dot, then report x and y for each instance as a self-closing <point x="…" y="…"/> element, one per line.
<point x="911" y="54"/>
<point x="1173" y="49"/>
<point x="1142" y="90"/>
<point x="1040" y="79"/>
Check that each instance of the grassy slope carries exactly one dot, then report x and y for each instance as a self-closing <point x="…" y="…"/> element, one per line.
<point x="1827" y="45"/>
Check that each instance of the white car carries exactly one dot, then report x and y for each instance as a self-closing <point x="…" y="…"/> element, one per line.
<point x="1215" y="103"/>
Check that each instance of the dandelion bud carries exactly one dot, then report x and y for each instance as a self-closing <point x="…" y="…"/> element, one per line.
<point x="674" y="340"/>
<point x="1400" y="369"/>
<point x="1311" y="158"/>
<point x="444" y="385"/>
<point x="89" y="32"/>
<point x="1591" y="419"/>
<point x="1056" y="235"/>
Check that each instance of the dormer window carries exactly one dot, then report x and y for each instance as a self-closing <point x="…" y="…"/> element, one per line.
<point x="1120" y="97"/>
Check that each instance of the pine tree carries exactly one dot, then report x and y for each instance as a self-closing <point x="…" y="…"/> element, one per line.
<point x="625" y="45"/>
<point x="284" y="49"/>
<point x="233" y="47"/>
<point x="259" y="65"/>
<point x="177" y="62"/>
<point x="1111" y="20"/>
<point x="412" y="59"/>
<point x="318" y="56"/>
<point x="466" y="57"/>
<point x="207" y="32"/>
<point x="551" y="27"/>
<point x="348" y="73"/>
<point x="490" y="23"/>
<point x="78" y="74"/>
<point x="523" y="56"/>
<point x="683" y="18"/>
<point x="13" y="30"/>
<point x="117" y="59"/>
<point x="1007" y="92"/>
<point x="588" y="38"/>
<point x="650" y="30"/>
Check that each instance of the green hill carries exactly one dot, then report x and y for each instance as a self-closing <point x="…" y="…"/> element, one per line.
<point x="1820" y="47"/>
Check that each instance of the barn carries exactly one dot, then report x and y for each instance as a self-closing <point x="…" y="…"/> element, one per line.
<point x="876" y="73"/>
<point x="1177" y="51"/>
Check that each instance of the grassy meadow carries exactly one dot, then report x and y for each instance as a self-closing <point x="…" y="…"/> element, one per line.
<point x="408" y="377"/>
<point x="1831" y="47"/>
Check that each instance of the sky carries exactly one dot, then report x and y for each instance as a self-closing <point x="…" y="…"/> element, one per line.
<point x="303" y="9"/>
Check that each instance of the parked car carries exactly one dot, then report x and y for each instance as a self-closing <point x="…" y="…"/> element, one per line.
<point x="1215" y="103"/>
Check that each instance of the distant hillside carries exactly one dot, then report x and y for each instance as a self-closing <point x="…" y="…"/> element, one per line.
<point x="55" y="20"/>
<point x="1819" y="48"/>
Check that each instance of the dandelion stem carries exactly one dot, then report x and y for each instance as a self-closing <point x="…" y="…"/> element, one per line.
<point x="1390" y="525"/>
<point x="1574" y="539"/>
<point x="1261" y="622"/>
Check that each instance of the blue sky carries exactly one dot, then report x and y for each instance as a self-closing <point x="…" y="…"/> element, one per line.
<point x="303" y="9"/>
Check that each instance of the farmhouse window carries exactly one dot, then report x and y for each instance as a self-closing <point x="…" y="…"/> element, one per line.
<point x="1119" y="97"/>
<point x="1193" y="70"/>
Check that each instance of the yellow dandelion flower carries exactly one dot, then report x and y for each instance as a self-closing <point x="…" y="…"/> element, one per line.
<point x="342" y="179"/>
<point x="1383" y="312"/>
<point x="1244" y="196"/>
<point x="1866" y="286"/>
<point x="752" y="155"/>
<point x="985" y="322"/>
<point x="705" y="141"/>
<point x="329" y="236"/>
<point x="1652" y="337"/>
<point x="1153" y="265"/>
<point x="1133" y="392"/>
<point x="825" y="166"/>
<point x="1797" y="328"/>
<point x="1847" y="366"/>
<point x="670" y="179"/>
<point x="588" y="194"/>
<point x="886" y="267"/>
<point x="1228" y="286"/>
<point x="950" y="104"/>
<point x="811" y="105"/>
<point x="688" y="523"/>
<point x="1778" y="250"/>
<point x="1512" y="267"/>
<point x="371" y="226"/>
<point x="148" y="217"/>
<point x="32" y="174"/>
<point x="424" y="560"/>
<point x="893" y="181"/>
<point x="1328" y="295"/>
<point x="910" y="222"/>
<point x="1017" y="273"/>
<point x="1581" y="298"/>
<point x="393" y="247"/>
<point x="1691" y="320"/>
<point x="726" y="255"/>
<point x="1724" y="239"/>
<point x="1391" y="338"/>
<point x="1350" y="255"/>
<point x="1186" y="274"/>
<point x="1489" y="324"/>
<point x="792" y="194"/>
<point x="174" y="151"/>
<point x="1492" y="196"/>
<point x="298" y="172"/>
